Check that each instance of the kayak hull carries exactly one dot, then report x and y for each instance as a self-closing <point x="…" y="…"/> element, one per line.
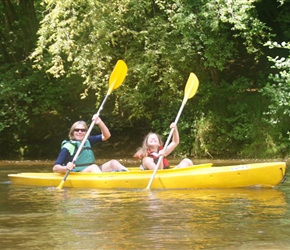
<point x="263" y="175"/>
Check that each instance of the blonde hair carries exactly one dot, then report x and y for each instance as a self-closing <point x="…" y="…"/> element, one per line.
<point x="143" y="150"/>
<point x="71" y="131"/>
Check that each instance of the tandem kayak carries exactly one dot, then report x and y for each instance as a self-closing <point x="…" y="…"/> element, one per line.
<point x="266" y="175"/>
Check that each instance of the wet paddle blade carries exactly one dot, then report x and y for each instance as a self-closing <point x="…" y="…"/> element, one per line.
<point x="60" y="185"/>
<point x="118" y="75"/>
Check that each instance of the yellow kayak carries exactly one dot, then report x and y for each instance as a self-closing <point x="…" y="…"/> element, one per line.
<point x="267" y="175"/>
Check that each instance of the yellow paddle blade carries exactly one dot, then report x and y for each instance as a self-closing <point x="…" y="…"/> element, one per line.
<point x="118" y="75"/>
<point x="60" y="185"/>
<point x="191" y="86"/>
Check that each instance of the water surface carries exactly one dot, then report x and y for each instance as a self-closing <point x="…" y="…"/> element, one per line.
<point x="47" y="218"/>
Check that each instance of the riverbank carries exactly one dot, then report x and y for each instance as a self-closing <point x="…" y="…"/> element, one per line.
<point x="134" y="162"/>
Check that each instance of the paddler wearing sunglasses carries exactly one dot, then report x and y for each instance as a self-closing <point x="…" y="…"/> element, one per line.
<point x="85" y="162"/>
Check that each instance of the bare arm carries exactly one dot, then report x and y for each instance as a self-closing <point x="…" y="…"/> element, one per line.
<point x="175" y="141"/>
<point x="104" y="129"/>
<point x="148" y="163"/>
<point x="57" y="168"/>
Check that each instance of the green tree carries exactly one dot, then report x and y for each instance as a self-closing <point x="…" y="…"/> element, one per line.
<point x="162" y="41"/>
<point x="34" y="106"/>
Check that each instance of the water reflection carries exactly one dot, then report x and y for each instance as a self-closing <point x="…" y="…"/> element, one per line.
<point x="115" y="219"/>
<point x="44" y="218"/>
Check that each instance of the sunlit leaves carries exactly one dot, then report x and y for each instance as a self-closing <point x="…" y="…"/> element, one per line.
<point x="84" y="37"/>
<point x="279" y="92"/>
<point x="161" y="41"/>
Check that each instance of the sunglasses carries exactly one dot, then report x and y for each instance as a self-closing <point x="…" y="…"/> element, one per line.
<point x="80" y="130"/>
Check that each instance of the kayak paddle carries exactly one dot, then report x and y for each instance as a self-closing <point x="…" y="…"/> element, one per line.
<point x="116" y="79"/>
<point x="189" y="91"/>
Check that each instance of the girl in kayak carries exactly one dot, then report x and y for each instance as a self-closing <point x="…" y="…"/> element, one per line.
<point x="85" y="162"/>
<point x="152" y="149"/>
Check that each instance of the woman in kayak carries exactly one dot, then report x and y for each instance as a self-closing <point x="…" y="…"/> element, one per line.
<point x="85" y="162"/>
<point x="152" y="149"/>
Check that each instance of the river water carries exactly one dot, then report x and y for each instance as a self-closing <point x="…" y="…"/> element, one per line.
<point x="70" y="219"/>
